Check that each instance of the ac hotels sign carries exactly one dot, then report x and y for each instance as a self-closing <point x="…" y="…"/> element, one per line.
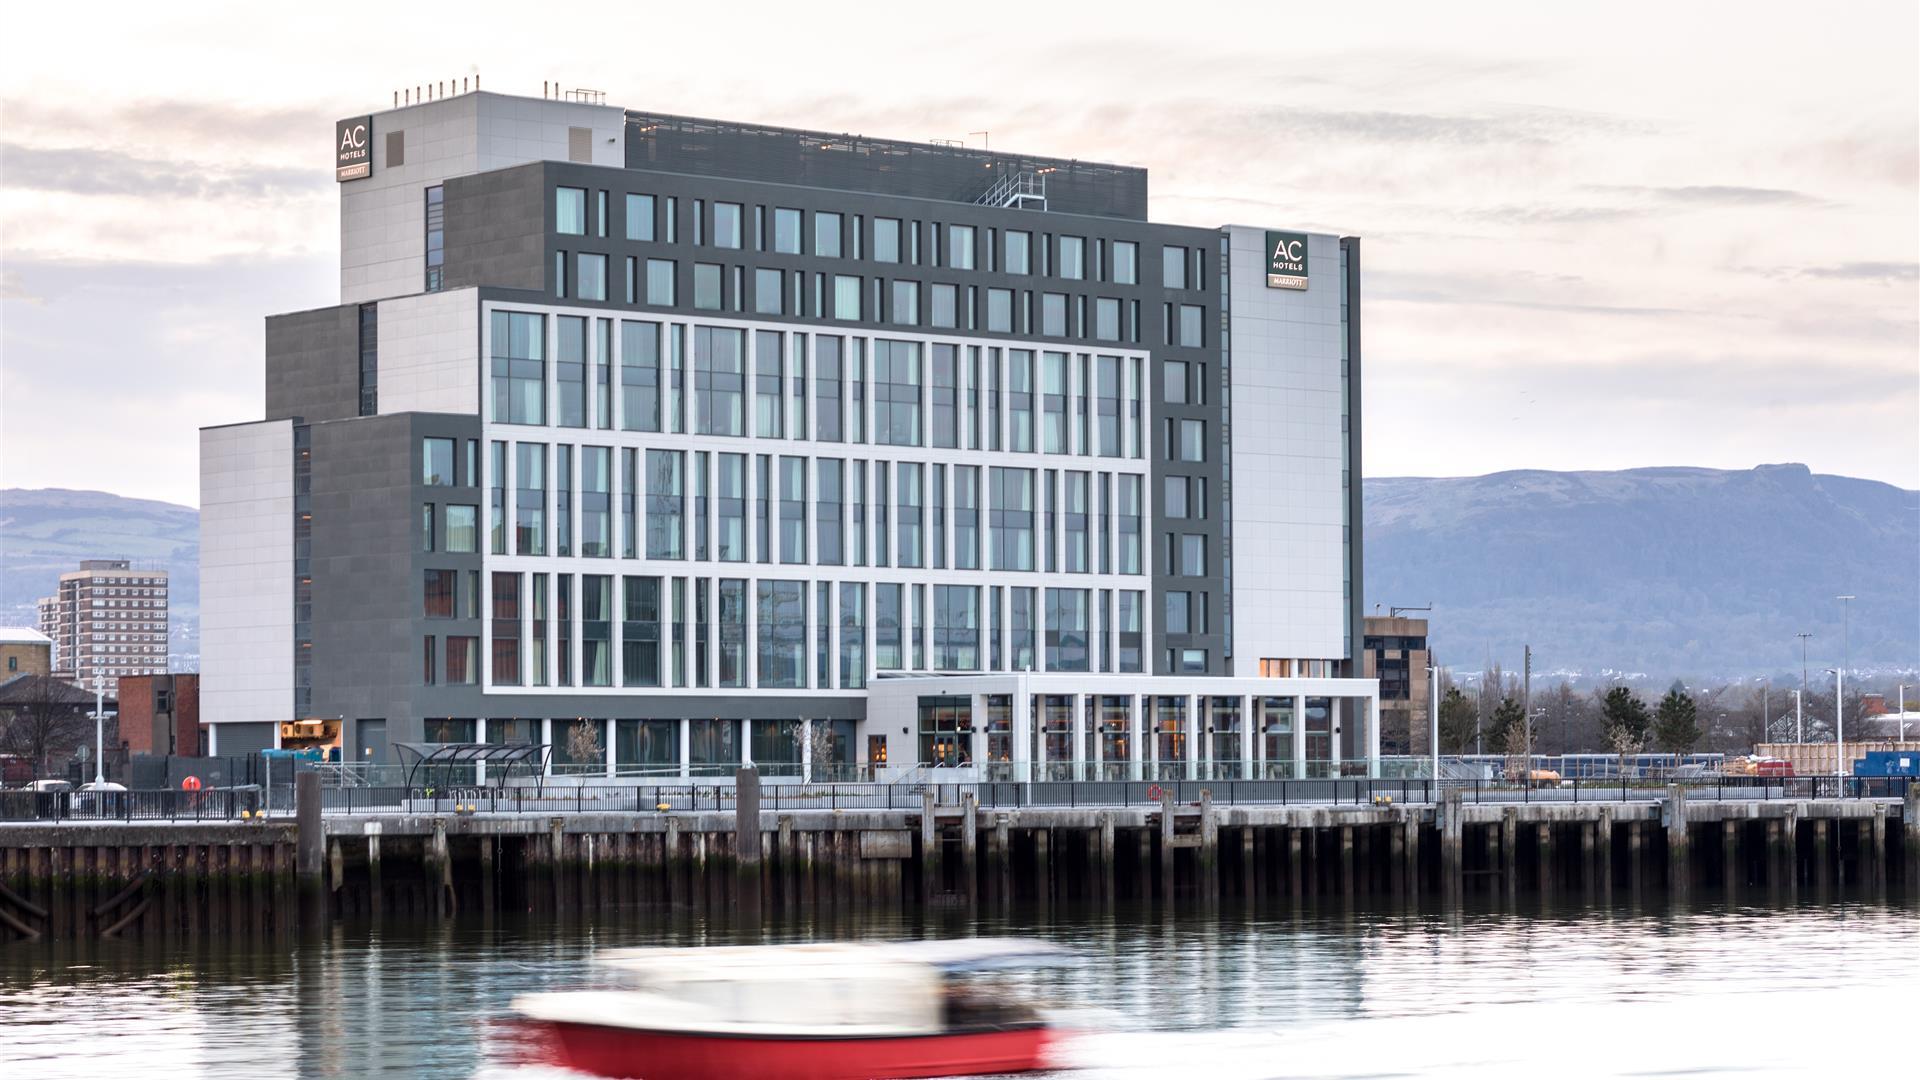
<point x="353" y="149"/>
<point x="1286" y="260"/>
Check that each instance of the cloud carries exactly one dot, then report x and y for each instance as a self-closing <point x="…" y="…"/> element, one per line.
<point x="81" y="171"/>
<point x="167" y="124"/>
<point x="1884" y="272"/>
<point x="1718" y="195"/>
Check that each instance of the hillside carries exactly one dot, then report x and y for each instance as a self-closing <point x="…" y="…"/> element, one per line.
<point x="1668" y="571"/>
<point x="1673" y="571"/>
<point x="46" y="532"/>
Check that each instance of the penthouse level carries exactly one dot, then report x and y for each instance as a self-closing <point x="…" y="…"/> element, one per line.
<point x="661" y="440"/>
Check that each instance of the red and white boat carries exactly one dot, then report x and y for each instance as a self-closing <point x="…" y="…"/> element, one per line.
<point x="802" y="1012"/>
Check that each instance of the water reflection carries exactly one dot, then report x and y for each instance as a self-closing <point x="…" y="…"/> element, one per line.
<point x="1625" y="991"/>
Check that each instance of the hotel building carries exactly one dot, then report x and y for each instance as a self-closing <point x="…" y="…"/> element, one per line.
<point x="677" y="444"/>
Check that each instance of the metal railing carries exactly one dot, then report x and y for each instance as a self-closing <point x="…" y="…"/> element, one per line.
<point x="231" y="803"/>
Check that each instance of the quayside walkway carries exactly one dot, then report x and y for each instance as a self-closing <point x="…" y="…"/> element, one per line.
<point x="750" y="850"/>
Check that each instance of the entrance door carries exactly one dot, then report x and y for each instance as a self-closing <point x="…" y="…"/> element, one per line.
<point x="370" y="742"/>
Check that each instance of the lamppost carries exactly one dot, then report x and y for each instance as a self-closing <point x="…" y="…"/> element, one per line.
<point x="99" y="731"/>
<point x="1433" y="718"/>
<point x="1839" y="684"/>
<point x="1799" y="726"/>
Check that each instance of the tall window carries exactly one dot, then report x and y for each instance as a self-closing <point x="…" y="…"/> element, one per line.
<point x="1053" y="314"/>
<point x="719" y="380"/>
<point x="1000" y="311"/>
<point x="639" y="217"/>
<point x="853" y="635"/>
<point x="506" y="629"/>
<point x="907" y="506"/>
<point x="1173" y="267"/>
<point x="1010" y="519"/>
<point x="1020" y="400"/>
<point x="733" y="632"/>
<point x="1073" y="257"/>
<point x="896" y="392"/>
<point x="596" y="630"/>
<point x="1053" y="402"/>
<point x="1192" y="325"/>
<point x="827" y="404"/>
<point x="1019" y="252"/>
<point x="530" y="499"/>
<point x="596" y="502"/>
<point x="570" y="371"/>
<point x="590" y="276"/>
<point x="1126" y="262"/>
<point x="782" y="618"/>
<point x="640" y="632"/>
<point x="726" y="224"/>
<point x="640" y="376"/>
<point x="826" y="234"/>
<point x="1076" y="535"/>
<point x="436" y="462"/>
<point x="1106" y="392"/>
<point x="660" y="276"/>
<point x="960" y="247"/>
<point x="439" y="594"/>
<point x="666" y="504"/>
<point x="570" y="211"/>
<point x="730" y="487"/>
<point x="956" y="627"/>
<point x="767" y="298"/>
<point x="945" y="395"/>
<point x="906" y="303"/>
<point x="886" y="240"/>
<point x="888" y="616"/>
<point x="1129" y="513"/>
<point x="846" y="297"/>
<point x="706" y="286"/>
<point x="786" y="231"/>
<point x="519" y="368"/>
<point x="563" y="500"/>
<point x="828" y="525"/>
<point x="793" y="510"/>
<point x="436" y="238"/>
<point x="1067" y="624"/>
<point x="497" y="499"/>
<point x="462" y="530"/>
<point x="767" y="371"/>
<point x="966" y="517"/>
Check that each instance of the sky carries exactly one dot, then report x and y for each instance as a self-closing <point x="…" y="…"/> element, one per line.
<point x="1595" y="237"/>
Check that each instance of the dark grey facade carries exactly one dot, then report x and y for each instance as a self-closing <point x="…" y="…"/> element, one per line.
<point x="377" y="656"/>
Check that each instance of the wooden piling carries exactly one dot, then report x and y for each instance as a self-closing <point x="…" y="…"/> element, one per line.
<point x="1209" y="849"/>
<point x="1543" y="857"/>
<point x="1730" y="874"/>
<point x="1452" y="871"/>
<point x="1108" y="870"/>
<point x="1673" y="817"/>
<point x="929" y="847"/>
<point x="1510" y="851"/>
<point x="970" y="845"/>
<point x="1166" y="848"/>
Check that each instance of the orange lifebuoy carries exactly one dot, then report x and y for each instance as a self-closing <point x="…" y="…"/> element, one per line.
<point x="191" y="783"/>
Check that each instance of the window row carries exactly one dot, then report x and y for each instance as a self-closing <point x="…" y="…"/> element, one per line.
<point x="704" y="746"/>
<point x="604" y="630"/>
<point x="715" y="380"/>
<point x="831" y="234"/>
<point x="656" y="282"/>
<point x="596" y="501"/>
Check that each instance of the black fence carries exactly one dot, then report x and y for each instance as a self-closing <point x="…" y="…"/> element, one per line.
<point x="244" y="802"/>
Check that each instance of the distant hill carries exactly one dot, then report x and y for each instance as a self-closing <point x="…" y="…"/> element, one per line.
<point x="46" y="532"/>
<point x="1669" y="571"/>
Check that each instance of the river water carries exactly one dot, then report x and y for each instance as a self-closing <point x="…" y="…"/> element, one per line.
<point x="1708" y="989"/>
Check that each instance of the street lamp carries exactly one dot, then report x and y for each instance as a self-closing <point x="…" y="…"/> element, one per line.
<point x="99" y="730"/>
<point x="1839" y="724"/>
<point x="1433" y="718"/>
<point x="1839" y="683"/>
<point x="1799" y="726"/>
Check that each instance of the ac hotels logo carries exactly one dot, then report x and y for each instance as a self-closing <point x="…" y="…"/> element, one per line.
<point x="1286" y="260"/>
<point x="353" y="149"/>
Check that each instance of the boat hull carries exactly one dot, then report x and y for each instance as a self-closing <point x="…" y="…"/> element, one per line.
<point x="638" y="1054"/>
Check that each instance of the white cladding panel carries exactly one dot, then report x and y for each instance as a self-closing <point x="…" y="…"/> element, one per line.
<point x="1289" y="453"/>
<point x="429" y="353"/>
<point x="246" y="572"/>
<point x="383" y="218"/>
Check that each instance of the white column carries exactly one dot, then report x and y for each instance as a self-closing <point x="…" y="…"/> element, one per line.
<point x="686" y="748"/>
<point x="1373" y="736"/>
<point x="1097" y="732"/>
<point x="1040" y="733"/>
<point x="1257" y="727"/>
<point x="977" y="736"/>
<point x="1248" y="734"/>
<point x="1338" y="706"/>
<point x="806" y="750"/>
<point x="1080" y="756"/>
<point x="746" y="741"/>
<point x="752" y="616"/>
<point x="1299" y="736"/>
<point x="546" y="739"/>
<point x="1136" y="740"/>
<point x="480" y="735"/>
<point x="606" y="730"/>
<point x="1195" y="732"/>
<point x="1022" y="722"/>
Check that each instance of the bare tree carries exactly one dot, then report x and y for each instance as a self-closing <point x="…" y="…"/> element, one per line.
<point x="43" y="719"/>
<point x="583" y="742"/>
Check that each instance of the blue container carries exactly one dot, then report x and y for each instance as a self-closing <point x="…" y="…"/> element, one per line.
<point x="1888" y="763"/>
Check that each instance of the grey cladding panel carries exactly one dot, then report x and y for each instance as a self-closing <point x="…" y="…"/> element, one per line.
<point x="313" y="364"/>
<point x="496" y="229"/>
